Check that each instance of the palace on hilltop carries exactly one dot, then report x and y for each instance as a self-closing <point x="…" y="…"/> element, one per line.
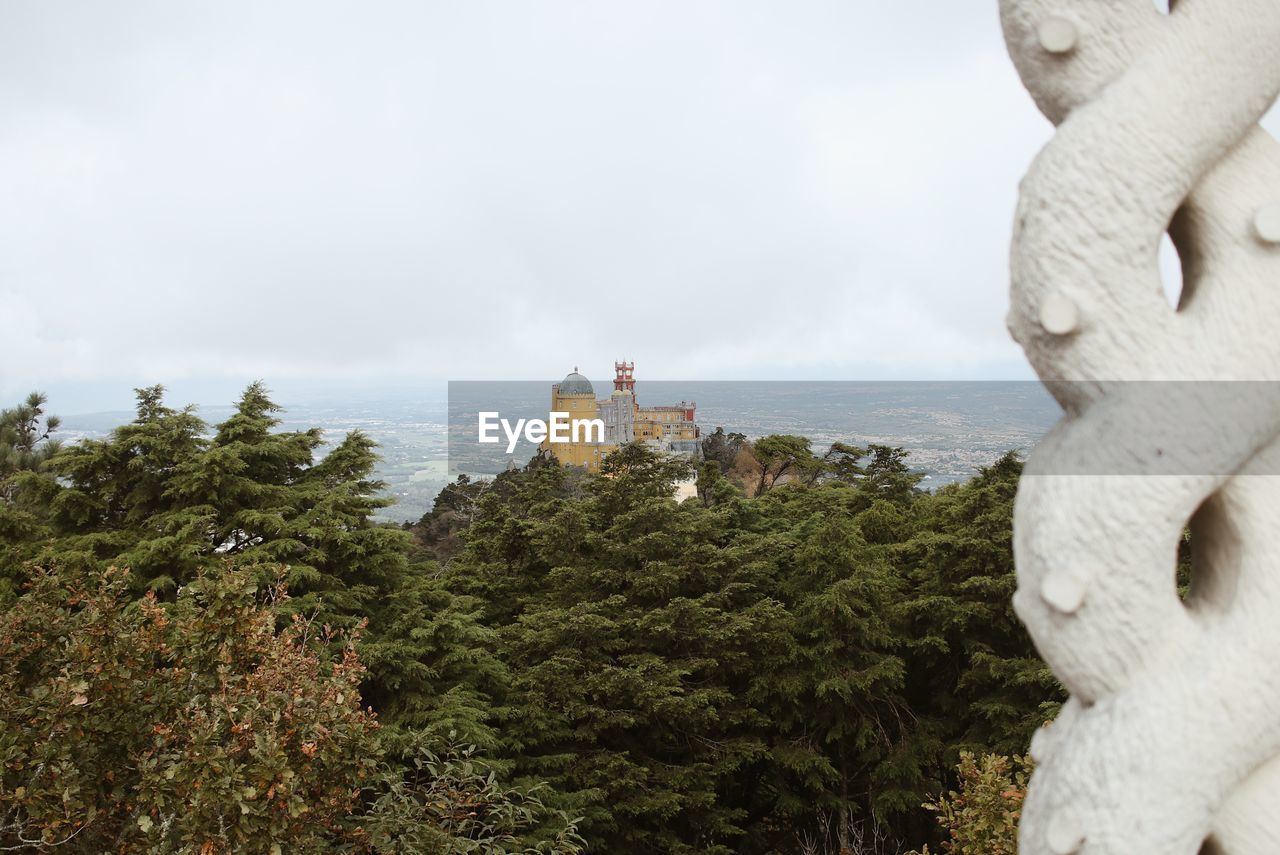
<point x="671" y="429"/>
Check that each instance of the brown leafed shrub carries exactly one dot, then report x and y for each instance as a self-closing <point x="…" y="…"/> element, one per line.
<point x="981" y="818"/>
<point x="130" y="726"/>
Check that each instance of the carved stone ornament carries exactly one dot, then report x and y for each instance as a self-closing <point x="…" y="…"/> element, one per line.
<point x="1170" y="743"/>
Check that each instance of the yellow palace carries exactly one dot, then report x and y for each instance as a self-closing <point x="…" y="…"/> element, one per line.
<point x="672" y="428"/>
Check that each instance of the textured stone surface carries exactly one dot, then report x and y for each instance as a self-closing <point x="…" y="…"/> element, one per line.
<point x="1172" y="735"/>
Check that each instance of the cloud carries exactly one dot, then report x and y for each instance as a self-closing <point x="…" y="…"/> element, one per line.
<point x="469" y="190"/>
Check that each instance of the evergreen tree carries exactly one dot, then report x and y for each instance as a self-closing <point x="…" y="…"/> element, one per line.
<point x="163" y="497"/>
<point x="26" y="445"/>
<point x="790" y="672"/>
<point x="976" y="670"/>
<point x="166" y="498"/>
<point x="782" y="457"/>
<point x="723" y="449"/>
<point x="205" y="725"/>
<point x="433" y="669"/>
<point x="888" y="476"/>
<point x="825" y="649"/>
<point x="844" y="732"/>
<point x="454" y="509"/>
<point x="634" y="654"/>
<point x="26" y="439"/>
<point x="116" y="507"/>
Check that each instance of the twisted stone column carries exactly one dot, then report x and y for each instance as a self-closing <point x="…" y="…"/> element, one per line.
<point x="1171" y="739"/>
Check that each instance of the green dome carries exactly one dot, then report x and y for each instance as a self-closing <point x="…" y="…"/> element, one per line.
<point x="576" y="384"/>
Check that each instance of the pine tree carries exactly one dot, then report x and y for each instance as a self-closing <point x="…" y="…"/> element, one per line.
<point x="433" y="669"/>
<point x="796" y="669"/>
<point x="976" y="669"/>
<point x="850" y="758"/>
<point x="26" y="439"/>
<point x="166" y="498"/>
<point x="162" y="497"/>
<point x="634" y="633"/>
<point x="750" y="675"/>
<point x="26" y="445"/>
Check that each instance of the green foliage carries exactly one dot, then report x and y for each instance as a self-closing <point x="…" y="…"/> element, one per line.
<point x="722" y="449"/>
<point x="453" y="804"/>
<point x="201" y="726"/>
<point x="432" y="667"/>
<point x="789" y="663"/>
<point x="772" y="461"/>
<point x="781" y="457"/>
<point x="167" y="497"/>
<point x="26" y="439"/>
<point x="630" y="639"/>
<point x="161" y="497"/>
<point x="750" y="675"/>
<point x="974" y="669"/>
<point x="455" y="508"/>
<point x="129" y="726"/>
<point x="981" y="818"/>
<point x="887" y="475"/>
<point x="26" y="445"/>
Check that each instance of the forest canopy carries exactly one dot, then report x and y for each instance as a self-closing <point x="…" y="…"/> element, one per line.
<point x="208" y="644"/>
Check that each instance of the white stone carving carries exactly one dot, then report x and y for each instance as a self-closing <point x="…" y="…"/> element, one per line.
<point x="1171" y="738"/>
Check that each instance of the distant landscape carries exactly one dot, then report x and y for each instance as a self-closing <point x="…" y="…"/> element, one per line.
<point x="807" y="654"/>
<point x="949" y="428"/>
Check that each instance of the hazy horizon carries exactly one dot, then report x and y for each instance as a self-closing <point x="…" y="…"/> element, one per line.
<point x="94" y="397"/>
<point x="206" y="195"/>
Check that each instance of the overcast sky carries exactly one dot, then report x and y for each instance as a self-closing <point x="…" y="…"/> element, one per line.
<point x="470" y="190"/>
